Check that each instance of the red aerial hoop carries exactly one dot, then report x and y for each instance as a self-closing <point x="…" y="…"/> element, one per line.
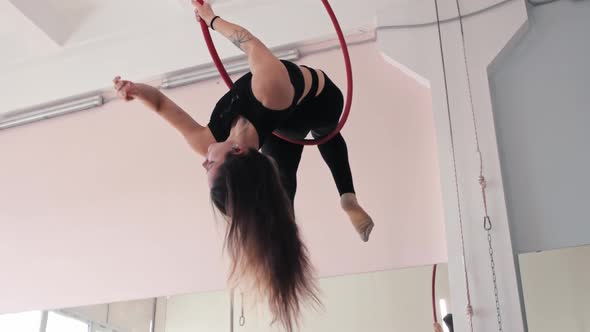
<point x="434" y="293"/>
<point x="347" y="63"/>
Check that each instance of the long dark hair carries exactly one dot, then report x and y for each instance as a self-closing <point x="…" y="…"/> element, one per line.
<point x="262" y="238"/>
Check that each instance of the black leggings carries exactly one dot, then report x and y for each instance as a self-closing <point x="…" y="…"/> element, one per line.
<point x="319" y="115"/>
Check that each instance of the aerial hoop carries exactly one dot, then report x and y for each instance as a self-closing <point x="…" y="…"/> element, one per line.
<point x="434" y="294"/>
<point x="347" y="104"/>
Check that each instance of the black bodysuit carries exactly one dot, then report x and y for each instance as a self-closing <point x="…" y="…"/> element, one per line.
<point x="319" y="114"/>
<point x="241" y="101"/>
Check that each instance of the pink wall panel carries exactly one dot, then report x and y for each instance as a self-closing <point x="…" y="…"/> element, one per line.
<point x="111" y="204"/>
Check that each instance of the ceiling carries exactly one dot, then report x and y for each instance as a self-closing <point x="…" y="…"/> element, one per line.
<point x="54" y="49"/>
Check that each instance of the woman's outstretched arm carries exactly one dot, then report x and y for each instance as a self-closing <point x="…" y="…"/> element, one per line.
<point x="270" y="80"/>
<point x="199" y="137"/>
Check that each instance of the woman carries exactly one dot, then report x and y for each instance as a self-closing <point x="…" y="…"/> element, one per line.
<point x="247" y="187"/>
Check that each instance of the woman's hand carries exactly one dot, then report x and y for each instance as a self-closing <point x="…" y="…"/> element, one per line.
<point x="203" y="11"/>
<point x="125" y="89"/>
<point x="437" y="327"/>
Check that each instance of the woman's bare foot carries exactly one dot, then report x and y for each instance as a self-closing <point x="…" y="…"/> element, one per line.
<point x="360" y="219"/>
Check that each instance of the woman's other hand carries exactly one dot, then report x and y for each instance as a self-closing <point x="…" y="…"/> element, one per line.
<point x="437" y="327"/>
<point x="125" y="89"/>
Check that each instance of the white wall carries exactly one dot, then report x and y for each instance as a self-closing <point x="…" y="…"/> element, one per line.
<point x="542" y="112"/>
<point x="415" y="46"/>
<point x="398" y="300"/>
<point x="556" y="290"/>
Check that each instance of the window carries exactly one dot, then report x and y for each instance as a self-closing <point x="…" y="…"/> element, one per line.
<point x="61" y="323"/>
<point x="48" y="321"/>
<point x="22" y="322"/>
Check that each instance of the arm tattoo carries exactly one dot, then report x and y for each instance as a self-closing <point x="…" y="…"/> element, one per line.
<point x="240" y="36"/>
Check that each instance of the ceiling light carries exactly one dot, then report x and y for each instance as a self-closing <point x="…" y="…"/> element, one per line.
<point x="29" y="115"/>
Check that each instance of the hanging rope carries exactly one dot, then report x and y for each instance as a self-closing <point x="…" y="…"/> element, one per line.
<point x="487" y="222"/>
<point x="231" y="310"/>
<point x="347" y="63"/>
<point x="242" y="317"/>
<point x="469" y="309"/>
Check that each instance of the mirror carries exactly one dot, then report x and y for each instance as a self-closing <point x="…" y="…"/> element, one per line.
<point x="395" y="300"/>
<point x="555" y="289"/>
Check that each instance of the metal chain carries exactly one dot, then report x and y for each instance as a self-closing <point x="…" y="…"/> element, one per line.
<point x="493" y="265"/>
<point x="469" y="309"/>
<point x="487" y="224"/>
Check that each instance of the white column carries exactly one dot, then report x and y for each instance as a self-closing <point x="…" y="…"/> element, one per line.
<point x="414" y="45"/>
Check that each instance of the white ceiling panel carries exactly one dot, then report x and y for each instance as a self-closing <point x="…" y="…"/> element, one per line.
<point x="20" y="38"/>
<point x="115" y="19"/>
<point x="58" y="19"/>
